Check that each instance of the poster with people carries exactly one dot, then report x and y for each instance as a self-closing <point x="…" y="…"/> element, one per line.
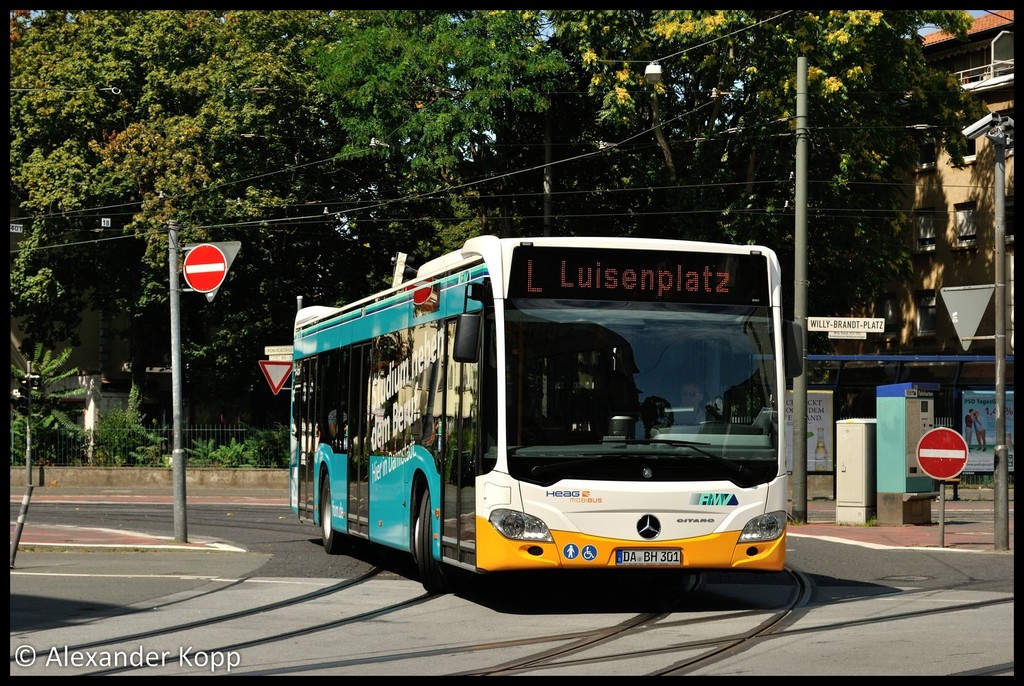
<point x="978" y="427"/>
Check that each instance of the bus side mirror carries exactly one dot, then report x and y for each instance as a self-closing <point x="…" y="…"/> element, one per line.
<point x="467" y="337"/>
<point x="793" y="340"/>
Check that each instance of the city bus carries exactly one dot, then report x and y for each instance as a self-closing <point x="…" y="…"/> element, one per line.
<point x="517" y="404"/>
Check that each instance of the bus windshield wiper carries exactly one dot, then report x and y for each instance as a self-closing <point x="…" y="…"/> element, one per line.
<point x="564" y="465"/>
<point x="696" y="445"/>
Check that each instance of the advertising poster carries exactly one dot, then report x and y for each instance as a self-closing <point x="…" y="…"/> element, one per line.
<point x="977" y="425"/>
<point x="819" y="449"/>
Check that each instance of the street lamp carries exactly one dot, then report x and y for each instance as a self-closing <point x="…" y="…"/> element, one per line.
<point x="653" y="73"/>
<point x="999" y="129"/>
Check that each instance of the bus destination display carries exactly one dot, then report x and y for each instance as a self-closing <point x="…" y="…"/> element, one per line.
<point x="655" y="276"/>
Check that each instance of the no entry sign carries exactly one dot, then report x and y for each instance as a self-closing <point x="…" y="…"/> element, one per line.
<point x="205" y="268"/>
<point x="942" y="453"/>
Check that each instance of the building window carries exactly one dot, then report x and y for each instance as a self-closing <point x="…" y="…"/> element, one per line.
<point x="926" y="313"/>
<point x="972" y="150"/>
<point x="925" y="218"/>
<point x="889" y="308"/>
<point x="966" y="226"/>
<point x="926" y="154"/>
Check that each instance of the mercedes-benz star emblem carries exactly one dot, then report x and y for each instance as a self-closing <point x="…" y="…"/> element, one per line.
<point x="648" y="527"/>
<point x="648" y="472"/>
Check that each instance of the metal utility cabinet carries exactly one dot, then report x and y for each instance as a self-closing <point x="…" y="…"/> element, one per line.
<point x="904" y="412"/>
<point x="855" y="471"/>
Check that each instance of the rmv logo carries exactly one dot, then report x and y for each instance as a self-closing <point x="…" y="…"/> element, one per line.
<point x="714" y="499"/>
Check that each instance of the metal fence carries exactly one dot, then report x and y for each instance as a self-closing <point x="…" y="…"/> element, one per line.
<point x="216" y="445"/>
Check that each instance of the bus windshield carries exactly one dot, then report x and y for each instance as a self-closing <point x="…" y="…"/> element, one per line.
<point x="634" y="390"/>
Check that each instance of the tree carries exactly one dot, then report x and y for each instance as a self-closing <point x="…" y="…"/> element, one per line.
<point x="326" y="141"/>
<point x="448" y="111"/>
<point x="47" y="389"/>
<point x="210" y="118"/>
<point x="727" y="103"/>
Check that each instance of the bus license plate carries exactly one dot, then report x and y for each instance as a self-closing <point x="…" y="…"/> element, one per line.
<point x="648" y="556"/>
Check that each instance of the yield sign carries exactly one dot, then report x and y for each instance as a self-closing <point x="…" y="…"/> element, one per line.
<point x="942" y="453"/>
<point x="966" y="305"/>
<point x="277" y="373"/>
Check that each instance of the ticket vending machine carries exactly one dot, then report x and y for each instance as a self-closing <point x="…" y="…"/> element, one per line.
<point x="904" y="413"/>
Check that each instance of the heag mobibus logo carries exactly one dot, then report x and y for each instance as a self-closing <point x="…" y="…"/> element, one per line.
<point x="574" y="496"/>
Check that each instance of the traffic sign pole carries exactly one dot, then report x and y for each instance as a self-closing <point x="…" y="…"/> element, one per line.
<point x="942" y="455"/>
<point x="177" y="451"/>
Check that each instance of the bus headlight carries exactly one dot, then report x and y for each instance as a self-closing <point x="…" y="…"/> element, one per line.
<point x="766" y="527"/>
<point x="520" y="526"/>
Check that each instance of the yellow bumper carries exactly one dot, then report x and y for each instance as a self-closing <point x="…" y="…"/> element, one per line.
<point x="573" y="550"/>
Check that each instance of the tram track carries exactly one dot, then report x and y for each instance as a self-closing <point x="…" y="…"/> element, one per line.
<point x="134" y="637"/>
<point x="700" y="626"/>
<point x="380" y="623"/>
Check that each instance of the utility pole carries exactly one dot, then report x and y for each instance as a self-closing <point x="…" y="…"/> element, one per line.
<point x="999" y="129"/>
<point x="177" y="453"/>
<point x="1001" y="491"/>
<point x="799" y="437"/>
<point x="548" y="174"/>
<point x="27" y="498"/>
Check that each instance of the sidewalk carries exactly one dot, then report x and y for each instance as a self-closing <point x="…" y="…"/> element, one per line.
<point x="969" y="522"/>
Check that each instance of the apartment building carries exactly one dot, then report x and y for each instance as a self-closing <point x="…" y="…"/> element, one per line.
<point x="952" y="243"/>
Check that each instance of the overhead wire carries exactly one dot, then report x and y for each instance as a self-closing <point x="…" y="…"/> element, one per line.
<point x="348" y="211"/>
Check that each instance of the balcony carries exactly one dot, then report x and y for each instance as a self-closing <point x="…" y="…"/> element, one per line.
<point x="974" y="77"/>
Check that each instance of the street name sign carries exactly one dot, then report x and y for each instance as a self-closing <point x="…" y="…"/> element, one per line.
<point x="852" y="324"/>
<point x="278" y="353"/>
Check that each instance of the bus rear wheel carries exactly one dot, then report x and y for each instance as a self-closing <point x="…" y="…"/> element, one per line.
<point x="432" y="575"/>
<point x="333" y="541"/>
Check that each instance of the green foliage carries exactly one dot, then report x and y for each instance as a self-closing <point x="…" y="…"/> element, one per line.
<point x="326" y="141"/>
<point x="122" y="439"/>
<point x="259" y="448"/>
<point x="233" y="454"/>
<point x="218" y="112"/>
<point x="53" y="386"/>
<point x="202" y="451"/>
<point x="268" y="447"/>
<point x="210" y="453"/>
<point x="727" y="102"/>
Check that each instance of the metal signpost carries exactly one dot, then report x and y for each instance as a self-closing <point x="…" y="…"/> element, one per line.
<point x="942" y="455"/>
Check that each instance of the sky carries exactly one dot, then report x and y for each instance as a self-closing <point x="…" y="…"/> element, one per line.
<point x="931" y="27"/>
